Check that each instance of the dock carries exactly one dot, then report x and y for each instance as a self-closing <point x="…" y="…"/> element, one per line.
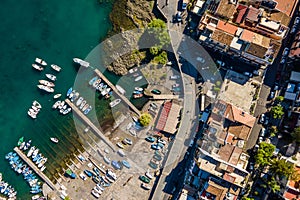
<point x="121" y="96"/>
<point x="35" y="168"/>
<point x="164" y="97"/>
<point x="88" y="122"/>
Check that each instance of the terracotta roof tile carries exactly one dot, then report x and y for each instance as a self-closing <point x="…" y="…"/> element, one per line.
<point x="237" y="115"/>
<point x="227" y="27"/>
<point x="241" y="9"/>
<point x="253" y="14"/>
<point x="247" y="35"/>
<point x="286" y="6"/>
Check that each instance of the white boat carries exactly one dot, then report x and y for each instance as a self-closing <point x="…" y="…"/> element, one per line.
<point x="45" y="88"/>
<point x="82" y="104"/>
<point x="87" y="110"/>
<point x="96" y="83"/>
<point x="56" y="96"/>
<point x="120" y="89"/>
<point x="79" y="101"/>
<point x="32" y="115"/>
<point x="51" y="77"/>
<point x="35" y="152"/>
<point x="76" y="95"/>
<point x="43" y="168"/>
<point x="93" y="80"/>
<point x="35" y="108"/>
<point x="139" y="89"/>
<point x="36" y="104"/>
<point x="81" y="62"/>
<point x="53" y="139"/>
<point x="55" y="67"/>
<point x="46" y="83"/>
<point x="105" y="91"/>
<point x="35" y="197"/>
<point x="37" y="67"/>
<point x="40" y="61"/>
<point x="138" y="78"/>
<point x="72" y="94"/>
<point x="114" y="103"/>
<point x="85" y="107"/>
<point x="61" y="105"/>
<point x="31" y="150"/>
<point x="133" y="70"/>
<point x="33" y="111"/>
<point x="66" y="111"/>
<point x="43" y="161"/>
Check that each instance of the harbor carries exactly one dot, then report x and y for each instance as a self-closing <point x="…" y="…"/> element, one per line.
<point x="35" y="169"/>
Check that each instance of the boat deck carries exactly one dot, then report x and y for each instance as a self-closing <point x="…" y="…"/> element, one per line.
<point x="121" y="96"/>
<point x="35" y="169"/>
<point x="86" y="120"/>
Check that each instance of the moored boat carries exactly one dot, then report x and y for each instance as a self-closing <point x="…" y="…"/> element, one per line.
<point x="81" y="62"/>
<point x="37" y="67"/>
<point x="53" y="139"/>
<point x="51" y="77"/>
<point x="82" y="104"/>
<point x="46" y="88"/>
<point x="55" y="67"/>
<point x="40" y="61"/>
<point x="69" y="91"/>
<point x="75" y="96"/>
<point x="56" y="96"/>
<point x="138" y="89"/>
<point x="85" y="107"/>
<point x="31" y="150"/>
<point x="79" y="101"/>
<point x="136" y="96"/>
<point x="96" y="83"/>
<point x="56" y="104"/>
<point x="133" y="70"/>
<point x="20" y="141"/>
<point x="138" y="78"/>
<point x="93" y="80"/>
<point x="43" y="168"/>
<point x="32" y="115"/>
<point x="114" y="103"/>
<point x="36" y="104"/>
<point x="120" y="89"/>
<point x="66" y="111"/>
<point x="47" y="83"/>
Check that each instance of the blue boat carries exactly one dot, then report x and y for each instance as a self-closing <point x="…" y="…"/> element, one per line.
<point x="88" y="173"/>
<point x="93" y="80"/>
<point x="126" y="164"/>
<point x="9" y="155"/>
<point x="69" y="91"/>
<point x="137" y="92"/>
<point x="88" y="110"/>
<point x="37" y="157"/>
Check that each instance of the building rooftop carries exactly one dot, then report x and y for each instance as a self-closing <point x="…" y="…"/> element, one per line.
<point x="235" y="114"/>
<point x="225" y="9"/>
<point x="227" y="27"/>
<point x="247" y="35"/>
<point x="241" y="9"/>
<point x="286" y="6"/>
<point x="257" y="50"/>
<point x="222" y="37"/>
<point x="253" y="14"/>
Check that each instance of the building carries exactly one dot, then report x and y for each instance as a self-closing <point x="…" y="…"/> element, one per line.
<point x="292" y="92"/>
<point x="252" y="32"/>
<point x="295" y="48"/>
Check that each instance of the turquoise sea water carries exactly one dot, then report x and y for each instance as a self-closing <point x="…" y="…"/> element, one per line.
<point x="56" y="31"/>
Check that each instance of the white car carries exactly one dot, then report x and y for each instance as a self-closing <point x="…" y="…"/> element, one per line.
<point x="297" y="20"/>
<point x="285" y="51"/>
<point x="162" y="141"/>
<point x="174" y="77"/>
<point x="120" y="145"/>
<point x="97" y="190"/>
<point x="95" y="194"/>
<point x="200" y="59"/>
<point x="82" y="176"/>
<point x="178" y="17"/>
<point x="248" y="74"/>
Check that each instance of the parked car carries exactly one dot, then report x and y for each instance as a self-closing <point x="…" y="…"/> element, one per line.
<point x="283" y="60"/>
<point x="262" y="132"/>
<point x="175" y="85"/>
<point x="88" y="173"/>
<point x="285" y="51"/>
<point x="220" y="63"/>
<point x="120" y="145"/>
<point x="127" y="141"/>
<point x="260" y="139"/>
<point x="162" y="141"/>
<point x="154" y="105"/>
<point x="276" y="87"/>
<point x="178" y="17"/>
<point x="153" y="165"/>
<point x="97" y="171"/>
<point x="155" y="91"/>
<point x="262" y="118"/>
<point x="150" y="139"/>
<point x="256" y="72"/>
<point x="174" y="77"/>
<point x="157" y="157"/>
<point x="271" y="95"/>
<point x="144" y="179"/>
<point x="82" y="176"/>
<point x="297" y="20"/>
<point x="294" y="29"/>
<point x="248" y="74"/>
<point x="177" y="89"/>
<point x="155" y="147"/>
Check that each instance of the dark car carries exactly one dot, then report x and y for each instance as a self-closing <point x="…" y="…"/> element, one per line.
<point x="97" y="171"/>
<point x="155" y="91"/>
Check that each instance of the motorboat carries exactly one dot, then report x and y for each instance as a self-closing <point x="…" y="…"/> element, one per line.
<point x="139" y="89"/>
<point x="114" y="103"/>
<point x="66" y="111"/>
<point x="72" y="94"/>
<point x="75" y="96"/>
<point x="135" y="74"/>
<point x="81" y="62"/>
<point x="55" y="67"/>
<point x="120" y="89"/>
<point x="27" y="145"/>
<point x="43" y="168"/>
<point x="32" y="115"/>
<point x="36" y="104"/>
<point x="31" y="150"/>
<point x="35" y="108"/>
<point x="136" y="96"/>
<point x="137" y="92"/>
<point x="61" y="105"/>
<point x="133" y="70"/>
<point x="87" y="110"/>
<point x="82" y="104"/>
<point x="33" y="111"/>
<point x="47" y="83"/>
<point x="37" y="67"/>
<point x="40" y="61"/>
<point x="36" y="151"/>
<point x="53" y="139"/>
<point x="138" y="78"/>
<point x="85" y="107"/>
<point x="57" y="96"/>
<point x="79" y="101"/>
<point x="43" y="161"/>
<point x="51" y="77"/>
<point x="46" y="88"/>
<point x="69" y="91"/>
<point x="22" y="145"/>
<point x="96" y="83"/>
<point x="99" y="86"/>
<point x="35" y="197"/>
<point x="93" y="80"/>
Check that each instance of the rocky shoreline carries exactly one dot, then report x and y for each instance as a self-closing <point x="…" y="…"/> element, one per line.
<point x="127" y="15"/>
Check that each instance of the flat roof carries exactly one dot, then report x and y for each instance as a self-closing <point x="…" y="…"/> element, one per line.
<point x="295" y="76"/>
<point x="236" y="43"/>
<point x="247" y="35"/>
<point x="286" y="6"/>
<point x="227" y="27"/>
<point x="270" y="24"/>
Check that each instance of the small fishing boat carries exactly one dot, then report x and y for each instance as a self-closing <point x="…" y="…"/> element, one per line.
<point x="88" y="110"/>
<point x="82" y="104"/>
<point x="66" y="111"/>
<point x="55" y="67"/>
<point x="22" y="145"/>
<point x="36" y="104"/>
<point x="37" y="67"/>
<point x="57" y="96"/>
<point x="32" y="115"/>
<point x="72" y="94"/>
<point x="35" y="108"/>
<point x="133" y="70"/>
<point x="136" y="92"/>
<point x="75" y="96"/>
<point x="93" y="80"/>
<point x="47" y="83"/>
<point x="114" y="103"/>
<point x="27" y="145"/>
<point x="44" y="160"/>
<point x="97" y="83"/>
<point x="53" y="139"/>
<point x="21" y="140"/>
<point x="81" y="62"/>
<point x="40" y="61"/>
<point x="51" y="77"/>
<point x="135" y="74"/>
<point x="31" y="150"/>
<point x="138" y="89"/>
<point x="138" y="78"/>
<point x="43" y="168"/>
<point x="136" y="96"/>
<point x="69" y="91"/>
<point x="61" y="105"/>
<point x="79" y="101"/>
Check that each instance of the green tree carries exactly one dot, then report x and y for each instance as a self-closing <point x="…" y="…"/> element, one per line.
<point x="154" y="50"/>
<point x="273" y="185"/>
<point x="281" y="168"/>
<point x="273" y="131"/>
<point x="264" y="154"/>
<point x="145" y="119"/>
<point x="247" y="198"/>
<point x="279" y="99"/>
<point x="296" y="134"/>
<point x="277" y="112"/>
<point x="159" y="33"/>
<point x="67" y="198"/>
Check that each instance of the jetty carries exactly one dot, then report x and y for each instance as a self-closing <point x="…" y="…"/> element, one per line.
<point x="121" y="96"/>
<point x="164" y="97"/>
<point x="35" y="169"/>
<point x="88" y="122"/>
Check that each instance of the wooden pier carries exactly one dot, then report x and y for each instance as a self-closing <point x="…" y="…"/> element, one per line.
<point x="121" y="96"/>
<point x="90" y="124"/>
<point x="164" y="97"/>
<point x="35" y="169"/>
